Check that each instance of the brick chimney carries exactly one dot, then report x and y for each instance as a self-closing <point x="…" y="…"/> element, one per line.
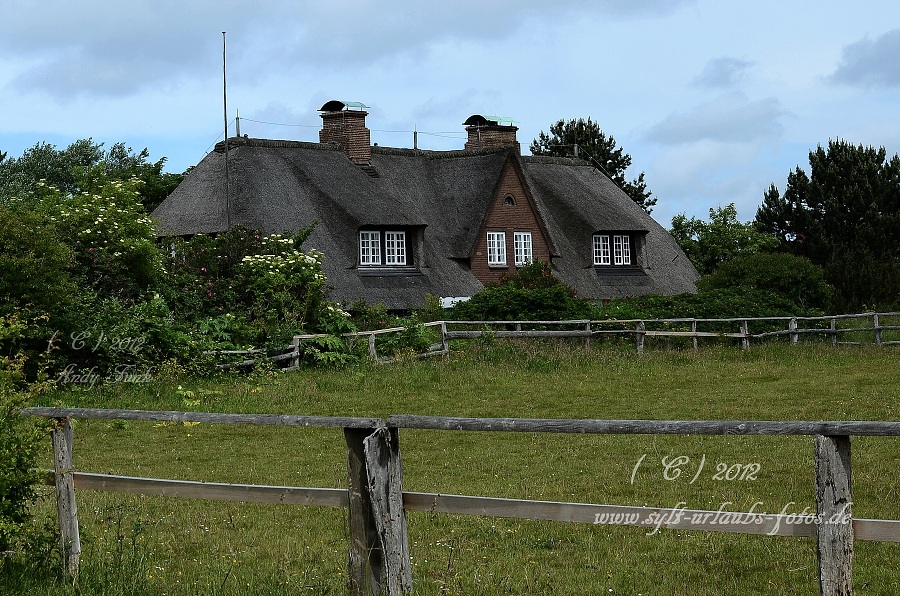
<point x="491" y="131"/>
<point x="344" y="123"/>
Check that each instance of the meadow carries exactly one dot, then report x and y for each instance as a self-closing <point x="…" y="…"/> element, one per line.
<point x="150" y="545"/>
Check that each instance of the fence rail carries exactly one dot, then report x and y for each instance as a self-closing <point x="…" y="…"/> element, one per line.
<point x="586" y="329"/>
<point x="379" y="544"/>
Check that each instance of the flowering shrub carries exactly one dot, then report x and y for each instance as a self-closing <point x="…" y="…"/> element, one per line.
<point x="248" y="289"/>
<point x="109" y="233"/>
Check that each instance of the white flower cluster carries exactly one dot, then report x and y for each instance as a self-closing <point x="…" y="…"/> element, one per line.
<point x="288" y="261"/>
<point x="338" y="311"/>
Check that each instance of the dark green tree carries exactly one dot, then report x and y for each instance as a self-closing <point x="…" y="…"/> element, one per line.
<point x="844" y="216"/>
<point x="722" y="238"/>
<point x="583" y="138"/>
<point x="86" y="166"/>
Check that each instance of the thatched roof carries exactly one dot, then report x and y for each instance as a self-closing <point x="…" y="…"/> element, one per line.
<point x="282" y="186"/>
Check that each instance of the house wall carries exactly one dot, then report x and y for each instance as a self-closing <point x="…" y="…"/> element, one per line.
<point x="520" y="217"/>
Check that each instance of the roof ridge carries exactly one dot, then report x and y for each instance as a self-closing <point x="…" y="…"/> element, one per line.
<point x="565" y="161"/>
<point x="235" y="142"/>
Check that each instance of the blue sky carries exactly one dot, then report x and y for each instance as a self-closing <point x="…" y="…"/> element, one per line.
<point x="714" y="101"/>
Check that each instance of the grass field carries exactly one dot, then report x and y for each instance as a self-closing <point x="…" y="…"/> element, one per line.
<point x="145" y="545"/>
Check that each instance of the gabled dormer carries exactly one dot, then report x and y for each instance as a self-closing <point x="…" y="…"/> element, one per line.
<point x="512" y="233"/>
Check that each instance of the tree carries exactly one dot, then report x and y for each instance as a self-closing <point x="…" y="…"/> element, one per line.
<point x="709" y="244"/>
<point x="584" y="138"/>
<point x="84" y="166"/>
<point x="844" y="216"/>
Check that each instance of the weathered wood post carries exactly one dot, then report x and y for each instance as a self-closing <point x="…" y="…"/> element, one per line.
<point x="70" y="538"/>
<point x="445" y="343"/>
<point x="587" y="339"/>
<point x="373" y="355"/>
<point x="877" y="329"/>
<point x="385" y="472"/>
<point x="745" y="335"/>
<point x="295" y="352"/>
<point x="379" y="550"/>
<point x="694" y="331"/>
<point x="834" y="530"/>
<point x="834" y="335"/>
<point x="639" y="335"/>
<point x="792" y="327"/>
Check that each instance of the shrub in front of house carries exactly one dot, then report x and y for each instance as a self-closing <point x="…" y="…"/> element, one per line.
<point x="532" y="294"/>
<point x="793" y="278"/>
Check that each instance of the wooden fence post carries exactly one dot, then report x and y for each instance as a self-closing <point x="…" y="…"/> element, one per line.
<point x="445" y="343"/>
<point x="694" y="331"/>
<point x="379" y="549"/>
<point x="834" y="335"/>
<point x="372" y="353"/>
<point x="587" y="339"/>
<point x="382" y="449"/>
<point x="365" y="560"/>
<point x="295" y="353"/>
<point x="792" y="327"/>
<point x="877" y="329"/>
<point x="70" y="538"/>
<point x="745" y="335"/>
<point x="834" y="528"/>
<point x="639" y="336"/>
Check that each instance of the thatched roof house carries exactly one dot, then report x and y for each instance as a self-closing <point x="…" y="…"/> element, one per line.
<point x="397" y="224"/>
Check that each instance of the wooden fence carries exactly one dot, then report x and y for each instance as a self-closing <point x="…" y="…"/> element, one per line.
<point x="379" y="559"/>
<point x="828" y="327"/>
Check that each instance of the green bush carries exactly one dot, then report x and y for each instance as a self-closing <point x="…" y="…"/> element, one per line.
<point x="532" y="294"/>
<point x="110" y="236"/>
<point x="20" y="442"/>
<point x="794" y="278"/>
<point x="709" y="304"/>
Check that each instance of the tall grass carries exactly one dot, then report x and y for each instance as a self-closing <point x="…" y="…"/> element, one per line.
<point x="145" y="545"/>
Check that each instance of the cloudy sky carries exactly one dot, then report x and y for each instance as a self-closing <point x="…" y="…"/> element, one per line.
<point x="714" y="99"/>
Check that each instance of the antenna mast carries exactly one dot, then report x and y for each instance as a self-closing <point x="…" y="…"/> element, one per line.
<point x="225" y="112"/>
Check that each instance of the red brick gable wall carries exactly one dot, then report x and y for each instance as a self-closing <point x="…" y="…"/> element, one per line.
<point x="519" y="217"/>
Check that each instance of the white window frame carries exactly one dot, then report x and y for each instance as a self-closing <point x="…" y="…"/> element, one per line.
<point x="395" y="248"/>
<point x="621" y="249"/>
<point x="524" y="249"/>
<point x="369" y="248"/>
<point x="496" y="249"/>
<point x="612" y="249"/>
<point x="601" y="249"/>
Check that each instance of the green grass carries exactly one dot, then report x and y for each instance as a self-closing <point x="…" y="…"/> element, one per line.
<point x="166" y="546"/>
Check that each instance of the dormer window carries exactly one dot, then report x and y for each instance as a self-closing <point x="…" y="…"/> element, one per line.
<point x="383" y="248"/>
<point x="613" y="250"/>
<point x="509" y="200"/>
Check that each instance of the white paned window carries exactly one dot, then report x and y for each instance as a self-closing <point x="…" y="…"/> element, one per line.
<point x="621" y="250"/>
<point x="522" y="243"/>
<point x="395" y="248"/>
<point x="601" y="249"/>
<point x="370" y="247"/>
<point x="496" y="248"/>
